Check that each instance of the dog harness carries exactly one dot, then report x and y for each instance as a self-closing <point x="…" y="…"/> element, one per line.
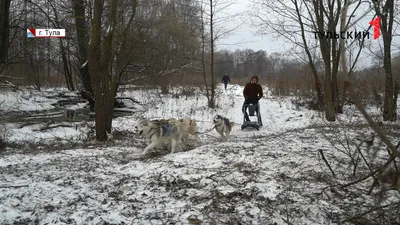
<point x="167" y="129"/>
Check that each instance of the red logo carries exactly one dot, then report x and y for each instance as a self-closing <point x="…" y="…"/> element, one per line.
<point x="376" y="23"/>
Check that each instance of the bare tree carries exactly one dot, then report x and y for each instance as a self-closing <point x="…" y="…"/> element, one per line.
<point x="4" y="37"/>
<point x="297" y="13"/>
<point x="81" y="37"/>
<point x="101" y="60"/>
<point x="4" y="29"/>
<point x="304" y="18"/>
<point x="213" y="17"/>
<point x="385" y="11"/>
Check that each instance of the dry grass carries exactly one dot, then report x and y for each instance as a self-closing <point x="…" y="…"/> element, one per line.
<point x="301" y="85"/>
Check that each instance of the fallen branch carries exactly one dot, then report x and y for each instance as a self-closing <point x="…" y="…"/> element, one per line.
<point x="393" y="150"/>
<point x="9" y="84"/>
<point x="329" y="166"/>
<point x="369" y="211"/>
<point x="14" y="186"/>
<point x="371" y="173"/>
<point x="27" y="124"/>
<point x="3" y="77"/>
<point x="55" y="126"/>
<point x="376" y="128"/>
<point x="133" y="100"/>
<point x="376" y="179"/>
<point x="362" y="155"/>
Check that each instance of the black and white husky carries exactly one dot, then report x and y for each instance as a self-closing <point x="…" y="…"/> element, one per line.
<point x="158" y="132"/>
<point x="223" y="126"/>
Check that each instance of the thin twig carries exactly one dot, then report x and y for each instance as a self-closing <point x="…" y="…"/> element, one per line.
<point x="369" y="211"/>
<point x="329" y="166"/>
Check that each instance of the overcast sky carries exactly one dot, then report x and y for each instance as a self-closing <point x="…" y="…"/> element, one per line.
<point x="245" y="37"/>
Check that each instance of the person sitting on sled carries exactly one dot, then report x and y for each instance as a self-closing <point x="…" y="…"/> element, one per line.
<point x="252" y="94"/>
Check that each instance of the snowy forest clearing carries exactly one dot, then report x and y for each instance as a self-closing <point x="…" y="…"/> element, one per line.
<point x="272" y="176"/>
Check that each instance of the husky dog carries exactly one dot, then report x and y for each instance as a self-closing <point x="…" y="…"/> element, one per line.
<point x="223" y="126"/>
<point x="188" y="126"/>
<point x="159" y="132"/>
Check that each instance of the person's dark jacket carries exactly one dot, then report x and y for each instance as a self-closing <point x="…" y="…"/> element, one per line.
<point x="226" y="79"/>
<point x="253" y="91"/>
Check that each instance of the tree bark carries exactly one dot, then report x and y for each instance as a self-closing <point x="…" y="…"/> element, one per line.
<point x="317" y="82"/>
<point x="203" y="46"/>
<point x="80" y="25"/>
<point x="325" y="47"/>
<point x="396" y="93"/>
<point x="4" y="29"/>
<point x="389" y="105"/>
<point x="4" y="38"/>
<point x="67" y="72"/>
<point x="101" y="58"/>
<point x="342" y="53"/>
<point x="211" y="102"/>
<point x="96" y="71"/>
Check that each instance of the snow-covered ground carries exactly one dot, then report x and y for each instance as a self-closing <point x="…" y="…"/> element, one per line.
<point x="271" y="176"/>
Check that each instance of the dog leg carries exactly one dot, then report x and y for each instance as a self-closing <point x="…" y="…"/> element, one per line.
<point x="185" y="139"/>
<point x="196" y="140"/>
<point x="173" y="145"/>
<point x="227" y="136"/>
<point x="159" y="146"/>
<point x="149" y="147"/>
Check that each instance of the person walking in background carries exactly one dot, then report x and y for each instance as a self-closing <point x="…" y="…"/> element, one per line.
<point x="226" y="80"/>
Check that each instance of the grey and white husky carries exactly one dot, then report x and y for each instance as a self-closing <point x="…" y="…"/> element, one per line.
<point x="158" y="132"/>
<point x="223" y="126"/>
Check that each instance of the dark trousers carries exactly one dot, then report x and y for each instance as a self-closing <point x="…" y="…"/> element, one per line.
<point x="225" y="84"/>
<point x="244" y="108"/>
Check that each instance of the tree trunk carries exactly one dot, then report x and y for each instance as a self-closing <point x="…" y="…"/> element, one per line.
<point x="335" y="87"/>
<point x="325" y="47"/>
<point x="101" y="115"/>
<point x="80" y="25"/>
<point x="396" y="93"/>
<point x="317" y="82"/>
<point x="96" y="71"/>
<point x="203" y="46"/>
<point x="4" y="38"/>
<point x="100" y="63"/>
<point x="342" y="54"/>
<point x="329" y="105"/>
<point x="67" y="72"/>
<point x="389" y="105"/>
<point x="4" y="29"/>
<point x="211" y="102"/>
